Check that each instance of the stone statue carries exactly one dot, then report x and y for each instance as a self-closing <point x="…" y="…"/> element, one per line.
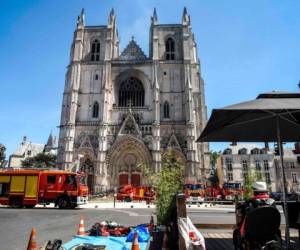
<point x="2" y="155"/>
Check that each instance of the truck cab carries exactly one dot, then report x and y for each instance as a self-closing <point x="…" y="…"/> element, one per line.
<point x="29" y="187"/>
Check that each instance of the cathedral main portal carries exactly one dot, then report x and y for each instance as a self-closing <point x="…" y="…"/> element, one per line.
<point x="124" y="159"/>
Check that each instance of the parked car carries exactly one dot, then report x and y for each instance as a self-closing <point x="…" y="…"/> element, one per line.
<point x="278" y="196"/>
<point x="293" y="197"/>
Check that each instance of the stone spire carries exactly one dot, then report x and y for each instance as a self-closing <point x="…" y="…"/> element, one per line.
<point x="185" y="17"/>
<point x="154" y="18"/>
<point x="81" y="19"/>
<point x="50" y="143"/>
<point x="112" y="17"/>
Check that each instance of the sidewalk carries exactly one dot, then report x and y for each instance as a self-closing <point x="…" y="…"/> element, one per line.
<point x="142" y="205"/>
<point x="224" y="240"/>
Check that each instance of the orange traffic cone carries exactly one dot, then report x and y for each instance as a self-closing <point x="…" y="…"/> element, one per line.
<point x="135" y="242"/>
<point x="81" y="230"/>
<point x="165" y="245"/>
<point x="32" y="240"/>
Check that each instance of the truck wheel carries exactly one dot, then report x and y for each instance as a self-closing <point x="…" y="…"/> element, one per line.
<point x="72" y="205"/>
<point x="16" y="202"/>
<point x="29" y="206"/>
<point x="63" y="203"/>
<point x="127" y="199"/>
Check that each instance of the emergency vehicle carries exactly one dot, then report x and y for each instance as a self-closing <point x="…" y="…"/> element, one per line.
<point x="194" y="192"/>
<point x="213" y="193"/>
<point x="29" y="187"/>
<point x="231" y="190"/>
<point x="139" y="193"/>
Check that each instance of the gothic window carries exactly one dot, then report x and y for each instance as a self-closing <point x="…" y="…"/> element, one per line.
<point x="166" y="110"/>
<point x="95" y="51"/>
<point x="131" y="93"/>
<point x="170" y="49"/>
<point x="95" y="110"/>
<point x="96" y="77"/>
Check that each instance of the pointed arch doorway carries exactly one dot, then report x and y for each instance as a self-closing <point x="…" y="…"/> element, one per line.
<point x="87" y="166"/>
<point x="123" y="160"/>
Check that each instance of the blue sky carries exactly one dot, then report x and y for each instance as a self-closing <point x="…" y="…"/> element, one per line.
<point x="245" y="47"/>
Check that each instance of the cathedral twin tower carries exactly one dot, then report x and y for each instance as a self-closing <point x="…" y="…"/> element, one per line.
<point x="122" y="109"/>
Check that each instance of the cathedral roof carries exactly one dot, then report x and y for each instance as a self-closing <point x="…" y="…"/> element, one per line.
<point x="132" y="52"/>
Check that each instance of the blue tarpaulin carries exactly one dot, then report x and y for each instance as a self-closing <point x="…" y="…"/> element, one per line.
<point x="142" y="231"/>
<point x="111" y="242"/>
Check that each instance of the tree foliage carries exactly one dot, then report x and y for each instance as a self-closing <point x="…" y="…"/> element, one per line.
<point x="214" y="175"/>
<point x="40" y="160"/>
<point x="148" y="174"/>
<point x="248" y="182"/>
<point x="169" y="182"/>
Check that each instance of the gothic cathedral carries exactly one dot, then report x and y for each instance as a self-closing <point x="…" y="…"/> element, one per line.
<point x="122" y="109"/>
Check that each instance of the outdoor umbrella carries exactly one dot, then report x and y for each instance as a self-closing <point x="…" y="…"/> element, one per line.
<point x="271" y="117"/>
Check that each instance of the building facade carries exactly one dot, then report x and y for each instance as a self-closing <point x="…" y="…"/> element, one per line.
<point x="291" y="162"/>
<point x="240" y="160"/>
<point x="123" y="109"/>
<point x="264" y="164"/>
<point x="31" y="149"/>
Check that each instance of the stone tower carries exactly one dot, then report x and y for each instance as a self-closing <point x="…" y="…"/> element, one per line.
<point x="122" y="109"/>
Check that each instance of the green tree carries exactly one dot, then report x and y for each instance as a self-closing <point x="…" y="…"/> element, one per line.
<point x="147" y="173"/>
<point x="214" y="175"/>
<point x="249" y="179"/>
<point x="40" y="160"/>
<point x="169" y="182"/>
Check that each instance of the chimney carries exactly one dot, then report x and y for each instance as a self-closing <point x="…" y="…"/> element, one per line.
<point x="24" y="140"/>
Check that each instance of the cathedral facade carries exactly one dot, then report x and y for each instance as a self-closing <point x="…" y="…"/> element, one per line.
<point x="123" y="109"/>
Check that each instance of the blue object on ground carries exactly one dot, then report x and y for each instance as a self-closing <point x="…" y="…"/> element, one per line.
<point x="143" y="233"/>
<point x="111" y="242"/>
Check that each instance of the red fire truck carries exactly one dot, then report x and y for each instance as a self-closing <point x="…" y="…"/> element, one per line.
<point x="213" y="193"/>
<point x="194" y="192"/>
<point x="140" y="193"/>
<point x="231" y="190"/>
<point x="29" y="187"/>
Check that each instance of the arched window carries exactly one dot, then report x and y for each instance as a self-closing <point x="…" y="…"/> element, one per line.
<point x="95" y="110"/>
<point x="95" y="51"/>
<point x="131" y="93"/>
<point x="166" y="110"/>
<point x="170" y="49"/>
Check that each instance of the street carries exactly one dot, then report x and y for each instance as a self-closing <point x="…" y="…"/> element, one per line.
<point x="52" y="223"/>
